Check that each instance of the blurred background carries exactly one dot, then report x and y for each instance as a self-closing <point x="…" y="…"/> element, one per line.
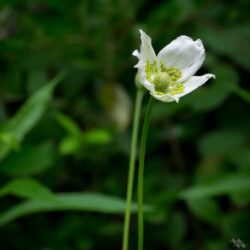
<point x="66" y="103"/>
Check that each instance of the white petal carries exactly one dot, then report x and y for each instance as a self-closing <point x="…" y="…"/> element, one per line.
<point x="184" y="53"/>
<point x="136" y="53"/>
<point x="193" y="83"/>
<point x="165" y="98"/>
<point x="142" y="74"/>
<point x="146" y="51"/>
<point x="140" y="64"/>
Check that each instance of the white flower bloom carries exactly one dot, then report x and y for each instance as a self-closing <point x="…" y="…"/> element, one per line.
<point x="169" y="75"/>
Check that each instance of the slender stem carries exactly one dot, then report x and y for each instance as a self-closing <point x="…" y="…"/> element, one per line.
<point x="138" y="102"/>
<point x="141" y="171"/>
<point x="244" y="94"/>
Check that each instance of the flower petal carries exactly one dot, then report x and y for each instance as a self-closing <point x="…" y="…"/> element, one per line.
<point x="136" y="53"/>
<point x="184" y="53"/>
<point x="140" y="64"/>
<point x="142" y="76"/>
<point x="194" y="82"/>
<point x="165" y="98"/>
<point x="146" y="51"/>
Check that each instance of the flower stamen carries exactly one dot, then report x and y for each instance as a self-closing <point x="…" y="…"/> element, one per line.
<point x="163" y="78"/>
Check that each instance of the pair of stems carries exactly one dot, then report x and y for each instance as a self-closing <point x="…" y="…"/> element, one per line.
<point x="138" y="103"/>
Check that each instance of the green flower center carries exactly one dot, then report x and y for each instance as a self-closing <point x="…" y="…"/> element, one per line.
<point x="162" y="81"/>
<point x="163" y="78"/>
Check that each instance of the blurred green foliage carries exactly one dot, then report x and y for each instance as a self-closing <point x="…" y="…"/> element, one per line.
<point x="66" y="97"/>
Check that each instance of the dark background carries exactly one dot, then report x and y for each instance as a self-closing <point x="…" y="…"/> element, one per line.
<point x="80" y="140"/>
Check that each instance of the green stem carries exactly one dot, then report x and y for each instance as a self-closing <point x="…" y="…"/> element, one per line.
<point x="244" y="94"/>
<point x="138" y="102"/>
<point x="141" y="171"/>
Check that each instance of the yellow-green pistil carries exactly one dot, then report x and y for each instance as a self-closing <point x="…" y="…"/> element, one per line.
<point x="163" y="78"/>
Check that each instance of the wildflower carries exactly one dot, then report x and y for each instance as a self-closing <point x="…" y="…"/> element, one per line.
<point x="170" y="75"/>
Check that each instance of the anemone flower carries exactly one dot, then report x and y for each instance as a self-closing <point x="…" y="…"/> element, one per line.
<point x="170" y="75"/>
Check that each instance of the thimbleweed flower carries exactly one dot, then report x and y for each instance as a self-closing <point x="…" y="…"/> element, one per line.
<point x="170" y="75"/>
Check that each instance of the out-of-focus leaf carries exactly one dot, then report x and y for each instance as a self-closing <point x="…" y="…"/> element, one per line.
<point x="216" y="91"/>
<point x="221" y="142"/>
<point x="161" y="112"/>
<point x="227" y="185"/>
<point x="31" y="159"/>
<point x="227" y="77"/>
<point x="217" y="245"/>
<point x="167" y="10"/>
<point x="68" y="124"/>
<point x="232" y="41"/>
<point x="91" y="202"/>
<point x="97" y="136"/>
<point x="187" y="8"/>
<point x="164" y="201"/>
<point x="58" y="5"/>
<point x="32" y="110"/>
<point x="244" y="94"/>
<point x="177" y="229"/>
<point x="10" y="140"/>
<point x="84" y="64"/>
<point x="207" y="98"/>
<point x="206" y="209"/>
<point x="36" y="80"/>
<point x="26" y="188"/>
<point x="28" y="115"/>
<point x="70" y="145"/>
<point x="3" y="114"/>
<point x="209" y="167"/>
<point x="241" y="158"/>
<point x="236" y="223"/>
<point x="13" y="79"/>
<point x="240" y="199"/>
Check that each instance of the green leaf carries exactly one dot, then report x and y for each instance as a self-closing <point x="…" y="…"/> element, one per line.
<point x="70" y="145"/>
<point x="97" y="136"/>
<point x="244" y="94"/>
<point x="206" y="209"/>
<point x="236" y="223"/>
<point x="36" y="79"/>
<point x="221" y="142"/>
<point x="32" y="110"/>
<point x="3" y="112"/>
<point x="208" y="98"/>
<point x="28" y="115"/>
<point x="241" y="158"/>
<point x="215" y="244"/>
<point x="215" y="92"/>
<point x="227" y="185"/>
<point x="31" y="159"/>
<point x="91" y="202"/>
<point x="26" y="188"/>
<point x="232" y="41"/>
<point x="177" y="229"/>
<point x="68" y="124"/>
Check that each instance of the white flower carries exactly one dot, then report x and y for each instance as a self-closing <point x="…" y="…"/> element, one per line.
<point x="169" y="75"/>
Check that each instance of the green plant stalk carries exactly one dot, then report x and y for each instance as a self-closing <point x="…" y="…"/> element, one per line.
<point x="138" y="102"/>
<point x="244" y="94"/>
<point x="141" y="171"/>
